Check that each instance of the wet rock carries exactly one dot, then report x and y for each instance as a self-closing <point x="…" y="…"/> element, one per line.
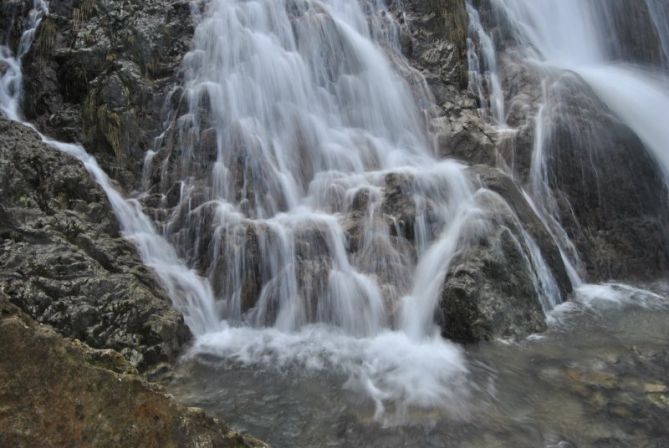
<point x="610" y="194"/>
<point x="399" y="205"/>
<point x="615" y="203"/>
<point x="492" y="286"/>
<point x="63" y="393"/>
<point x="502" y="184"/>
<point x="633" y="37"/>
<point x="438" y="38"/>
<point x="100" y="72"/>
<point x="489" y="292"/>
<point x="64" y="263"/>
<point x="464" y="136"/>
<point x="13" y="14"/>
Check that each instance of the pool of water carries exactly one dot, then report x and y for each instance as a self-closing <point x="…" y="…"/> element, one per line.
<point x="599" y="377"/>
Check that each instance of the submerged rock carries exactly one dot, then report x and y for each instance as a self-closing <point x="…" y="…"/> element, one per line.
<point x="58" y="392"/>
<point x="63" y="261"/>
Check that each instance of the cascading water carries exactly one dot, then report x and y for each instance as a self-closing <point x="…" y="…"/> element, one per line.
<point x="483" y="73"/>
<point x="637" y="97"/>
<point x="574" y="35"/>
<point x="323" y="219"/>
<point x="299" y="178"/>
<point x="311" y="123"/>
<point x="11" y="80"/>
<point x="298" y="182"/>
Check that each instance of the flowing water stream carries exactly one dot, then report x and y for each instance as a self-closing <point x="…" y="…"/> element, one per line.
<point x="314" y="315"/>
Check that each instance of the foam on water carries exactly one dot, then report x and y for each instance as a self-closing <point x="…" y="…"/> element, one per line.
<point x="391" y="368"/>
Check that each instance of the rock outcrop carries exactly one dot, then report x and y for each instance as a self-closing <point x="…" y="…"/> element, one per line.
<point x="13" y="14"/>
<point x="610" y="194"/>
<point x="106" y="73"/>
<point x="494" y="286"/>
<point x="63" y="261"/>
<point x="100" y="72"/>
<point x="56" y="392"/>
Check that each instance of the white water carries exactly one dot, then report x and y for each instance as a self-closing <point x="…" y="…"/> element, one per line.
<point x="11" y="80"/>
<point x="302" y="92"/>
<point x="309" y="116"/>
<point x="483" y="73"/>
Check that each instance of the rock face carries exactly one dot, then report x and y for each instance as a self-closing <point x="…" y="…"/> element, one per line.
<point x="99" y="73"/>
<point x="610" y="194"/>
<point x="77" y="396"/>
<point x="64" y="263"/>
<point x="106" y="73"/>
<point x="12" y="17"/>
<point x="492" y="286"/>
<point x="490" y="292"/>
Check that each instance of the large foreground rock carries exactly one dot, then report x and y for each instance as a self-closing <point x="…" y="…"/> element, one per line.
<point x="56" y="392"/>
<point x="64" y="263"/>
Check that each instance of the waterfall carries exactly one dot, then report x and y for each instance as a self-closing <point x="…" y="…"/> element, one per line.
<point x="305" y="217"/>
<point x="483" y="73"/>
<point x="311" y="122"/>
<point x="11" y="81"/>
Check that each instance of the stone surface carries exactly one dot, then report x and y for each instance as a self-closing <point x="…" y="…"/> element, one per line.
<point x="502" y="184"/>
<point x="56" y="392"/>
<point x="491" y="288"/>
<point x="13" y="14"/>
<point x="610" y="194"/>
<point x="63" y="261"/>
<point x="100" y="72"/>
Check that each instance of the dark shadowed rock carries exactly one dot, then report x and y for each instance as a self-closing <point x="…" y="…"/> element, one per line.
<point x="493" y="287"/>
<point x="611" y="196"/>
<point x="495" y="180"/>
<point x="13" y="14"/>
<point x="490" y="292"/>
